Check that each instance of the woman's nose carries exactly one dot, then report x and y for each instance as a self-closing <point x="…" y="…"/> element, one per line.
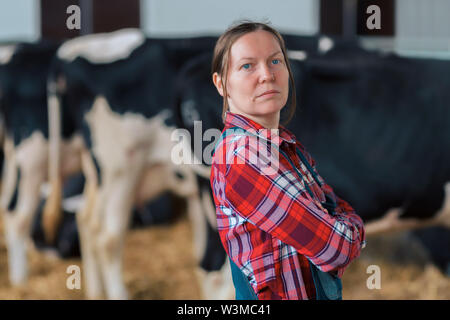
<point x="266" y="74"/>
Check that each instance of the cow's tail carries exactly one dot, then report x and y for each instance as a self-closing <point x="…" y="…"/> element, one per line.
<point x="52" y="214"/>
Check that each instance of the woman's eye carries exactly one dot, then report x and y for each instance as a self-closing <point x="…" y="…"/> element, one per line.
<point x="275" y="61"/>
<point x="246" y="66"/>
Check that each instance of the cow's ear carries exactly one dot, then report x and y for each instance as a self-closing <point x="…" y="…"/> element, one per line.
<point x="217" y="79"/>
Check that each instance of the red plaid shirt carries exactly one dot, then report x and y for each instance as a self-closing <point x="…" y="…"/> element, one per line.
<point x="269" y="224"/>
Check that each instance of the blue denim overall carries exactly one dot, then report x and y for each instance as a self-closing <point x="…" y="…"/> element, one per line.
<point x="328" y="286"/>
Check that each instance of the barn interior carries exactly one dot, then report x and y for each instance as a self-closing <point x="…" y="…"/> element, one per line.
<point x="407" y="262"/>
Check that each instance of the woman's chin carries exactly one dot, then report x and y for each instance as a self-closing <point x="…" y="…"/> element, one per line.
<point x="269" y="109"/>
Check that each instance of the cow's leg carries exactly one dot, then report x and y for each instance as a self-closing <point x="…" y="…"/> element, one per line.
<point x="183" y="182"/>
<point x="16" y="252"/>
<point x="198" y="225"/>
<point x="117" y="210"/>
<point x="18" y="225"/>
<point x="31" y="156"/>
<point x="15" y="248"/>
<point x="216" y="285"/>
<point x="9" y="175"/>
<point x="120" y="187"/>
<point x="87" y="230"/>
<point x="180" y="180"/>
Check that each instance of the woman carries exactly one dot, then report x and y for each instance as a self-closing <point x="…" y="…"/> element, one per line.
<point x="288" y="236"/>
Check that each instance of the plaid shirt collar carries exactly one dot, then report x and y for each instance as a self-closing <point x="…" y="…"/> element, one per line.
<point x="272" y="135"/>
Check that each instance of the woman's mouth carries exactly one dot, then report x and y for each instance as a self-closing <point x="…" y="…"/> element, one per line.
<point x="268" y="93"/>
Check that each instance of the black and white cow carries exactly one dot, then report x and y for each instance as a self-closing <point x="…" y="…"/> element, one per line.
<point x="24" y="69"/>
<point x="376" y="124"/>
<point x="372" y="122"/>
<point x="117" y="89"/>
<point x="24" y="130"/>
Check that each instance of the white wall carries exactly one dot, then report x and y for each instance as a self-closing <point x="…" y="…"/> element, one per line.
<point x="167" y="18"/>
<point x="423" y="25"/>
<point x="19" y="20"/>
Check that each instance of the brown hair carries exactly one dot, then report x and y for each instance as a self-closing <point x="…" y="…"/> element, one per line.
<point x="222" y="53"/>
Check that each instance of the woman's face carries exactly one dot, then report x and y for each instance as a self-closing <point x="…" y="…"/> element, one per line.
<point x="258" y="79"/>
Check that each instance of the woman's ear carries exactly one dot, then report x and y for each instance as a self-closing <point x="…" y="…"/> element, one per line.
<point x="218" y="83"/>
